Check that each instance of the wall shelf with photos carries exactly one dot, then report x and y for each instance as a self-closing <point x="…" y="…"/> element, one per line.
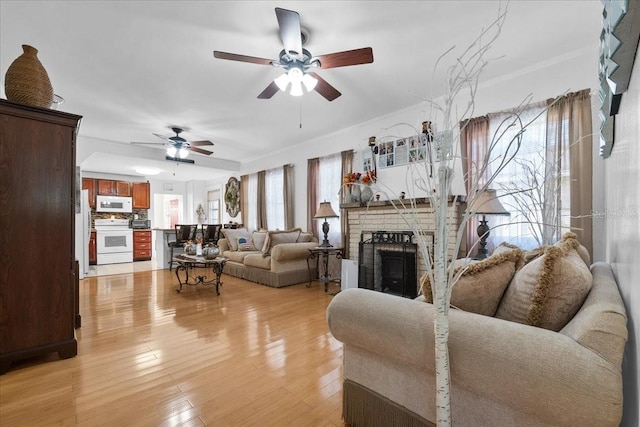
<point x="412" y="149"/>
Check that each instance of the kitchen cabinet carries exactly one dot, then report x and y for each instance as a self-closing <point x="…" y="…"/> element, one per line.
<point x="90" y="184"/>
<point x="93" y="249"/>
<point x="106" y="187"/>
<point x="38" y="290"/>
<point x="109" y="187"/>
<point x="141" y="195"/>
<point x="123" y="188"/>
<point x="141" y="245"/>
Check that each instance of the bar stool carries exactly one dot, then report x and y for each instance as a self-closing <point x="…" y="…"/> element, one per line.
<point x="184" y="233"/>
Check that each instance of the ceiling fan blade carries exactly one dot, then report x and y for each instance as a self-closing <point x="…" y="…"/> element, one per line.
<point x="289" y="22"/>
<point x="200" y="143"/>
<point x="148" y="143"/>
<point x="163" y="137"/>
<point x="242" y="58"/>
<point x="346" y="58"/>
<point x="325" y="89"/>
<point x="200" y="150"/>
<point x="269" y="91"/>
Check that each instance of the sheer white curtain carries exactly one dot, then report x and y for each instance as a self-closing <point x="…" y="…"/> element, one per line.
<point x="328" y="189"/>
<point x="525" y="172"/>
<point x="252" y="202"/>
<point x="274" y="195"/>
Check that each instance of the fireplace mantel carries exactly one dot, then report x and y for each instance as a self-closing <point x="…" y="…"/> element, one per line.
<point x="399" y="202"/>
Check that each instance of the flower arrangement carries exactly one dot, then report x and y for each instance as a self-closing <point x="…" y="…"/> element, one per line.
<point x="369" y="177"/>
<point x="351" y="178"/>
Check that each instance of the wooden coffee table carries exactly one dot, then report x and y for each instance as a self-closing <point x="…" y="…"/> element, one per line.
<point x="187" y="265"/>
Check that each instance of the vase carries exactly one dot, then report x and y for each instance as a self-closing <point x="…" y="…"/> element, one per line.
<point x="355" y="193"/>
<point x="27" y="82"/>
<point x="366" y="194"/>
<point x="190" y="249"/>
<point x="210" y="252"/>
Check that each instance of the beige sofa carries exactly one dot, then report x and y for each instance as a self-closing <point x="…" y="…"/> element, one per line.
<point x="503" y="373"/>
<point x="281" y="261"/>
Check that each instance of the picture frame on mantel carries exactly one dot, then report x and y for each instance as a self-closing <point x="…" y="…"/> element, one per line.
<point x="618" y="45"/>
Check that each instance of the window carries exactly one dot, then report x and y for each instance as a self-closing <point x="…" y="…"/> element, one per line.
<point x="536" y="215"/>
<point x="252" y="202"/>
<point x="274" y="195"/>
<point x="213" y="202"/>
<point x="328" y="189"/>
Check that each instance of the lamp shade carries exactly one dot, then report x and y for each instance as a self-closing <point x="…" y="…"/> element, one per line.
<point x="487" y="203"/>
<point x="325" y="211"/>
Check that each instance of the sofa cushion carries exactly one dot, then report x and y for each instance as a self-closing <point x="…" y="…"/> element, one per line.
<point x="482" y="283"/>
<point x="277" y="237"/>
<point x="257" y="260"/>
<point x="232" y="236"/>
<point x="548" y="291"/>
<point x="237" y="256"/>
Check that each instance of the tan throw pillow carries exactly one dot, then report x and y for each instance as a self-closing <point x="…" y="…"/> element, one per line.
<point x="481" y="286"/>
<point x="548" y="291"/>
<point x="277" y="237"/>
<point x="232" y="236"/>
<point x="259" y="239"/>
<point x="582" y="251"/>
<point x="305" y="238"/>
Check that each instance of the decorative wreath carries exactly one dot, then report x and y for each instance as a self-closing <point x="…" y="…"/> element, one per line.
<point x="232" y="197"/>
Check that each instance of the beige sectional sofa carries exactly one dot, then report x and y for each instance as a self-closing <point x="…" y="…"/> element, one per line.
<point x="280" y="260"/>
<point x="504" y="372"/>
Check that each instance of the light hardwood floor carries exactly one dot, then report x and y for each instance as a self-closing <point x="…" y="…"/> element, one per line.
<point x="148" y="356"/>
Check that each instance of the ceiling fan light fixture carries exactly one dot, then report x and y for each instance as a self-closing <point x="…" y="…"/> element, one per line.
<point x="296" y="89"/>
<point x="309" y="82"/>
<point x="282" y="82"/>
<point x="171" y="151"/>
<point x="183" y="153"/>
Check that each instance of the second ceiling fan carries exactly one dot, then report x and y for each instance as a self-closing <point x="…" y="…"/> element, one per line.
<point x="298" y="62"/>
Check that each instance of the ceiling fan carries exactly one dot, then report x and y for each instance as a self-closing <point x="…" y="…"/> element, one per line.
<point x="178" y="147"/>
<point x="298" y="62"/>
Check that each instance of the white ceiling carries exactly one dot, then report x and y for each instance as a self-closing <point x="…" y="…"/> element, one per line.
<point x="133" y="68"/>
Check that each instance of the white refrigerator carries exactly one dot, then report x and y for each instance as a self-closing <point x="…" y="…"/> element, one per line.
<point x="83" y="233"/>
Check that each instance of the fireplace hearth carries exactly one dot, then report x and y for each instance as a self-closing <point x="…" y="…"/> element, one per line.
<point x="387" y="263"/>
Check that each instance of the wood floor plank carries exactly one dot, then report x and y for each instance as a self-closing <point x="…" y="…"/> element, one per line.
<point x="149" y="356"/>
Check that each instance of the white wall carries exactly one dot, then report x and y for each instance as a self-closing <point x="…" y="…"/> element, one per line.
<point x="622" y="221"/>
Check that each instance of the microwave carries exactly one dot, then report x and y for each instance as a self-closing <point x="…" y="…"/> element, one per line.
<point x="113" y="204"/>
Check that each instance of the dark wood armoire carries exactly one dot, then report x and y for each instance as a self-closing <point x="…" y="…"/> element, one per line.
<point x="38" y="275"/>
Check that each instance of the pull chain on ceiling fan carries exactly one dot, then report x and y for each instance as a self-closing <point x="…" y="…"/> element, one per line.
<point x="298" y="62"/>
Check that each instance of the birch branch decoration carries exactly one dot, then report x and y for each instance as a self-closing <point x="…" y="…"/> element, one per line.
<point x="434" y="176"/>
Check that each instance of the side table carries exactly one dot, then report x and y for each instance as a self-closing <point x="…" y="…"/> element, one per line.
<point x="324" y="253"/>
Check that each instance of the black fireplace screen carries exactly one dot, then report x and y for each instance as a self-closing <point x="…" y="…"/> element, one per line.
<point x="387" y="263"/>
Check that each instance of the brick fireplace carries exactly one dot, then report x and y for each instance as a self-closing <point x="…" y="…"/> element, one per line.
<point x="380" y="216"/>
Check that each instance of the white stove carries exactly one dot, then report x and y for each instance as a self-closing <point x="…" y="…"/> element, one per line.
<point x="114" y="241"/>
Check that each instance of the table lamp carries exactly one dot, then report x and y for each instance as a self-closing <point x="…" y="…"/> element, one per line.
<point x="485" y="203"/>
<point x="325" y="211"/>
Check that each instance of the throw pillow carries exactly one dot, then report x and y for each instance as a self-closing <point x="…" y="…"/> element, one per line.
<point x="259" y="238"/>
<point x="277" y="237"/>
<point x="481" y="284"/>
<point x="232" y="236"/>
<point x="305" y="238"/>
<point x="245" y="244"/>
<point x="582" y="251"/>
<point x="548" y="291"/>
